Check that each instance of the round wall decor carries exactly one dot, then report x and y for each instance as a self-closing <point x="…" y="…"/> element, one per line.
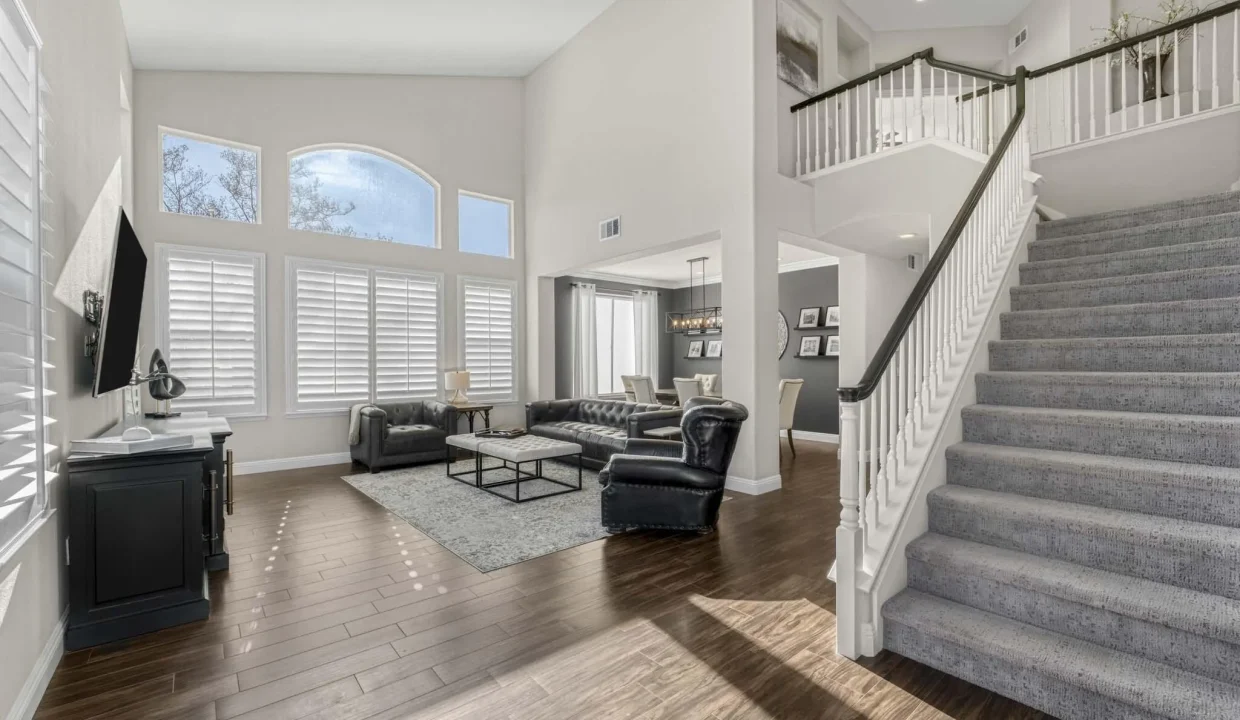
<point x="783" y="334"/>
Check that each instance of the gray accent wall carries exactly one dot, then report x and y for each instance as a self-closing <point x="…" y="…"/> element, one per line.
<point x="818" y="407"/>
<point x="564" y="330"/>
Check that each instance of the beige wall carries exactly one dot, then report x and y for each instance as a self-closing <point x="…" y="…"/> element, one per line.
<point x="86" y="66"/>
<point x="464" y="132"/>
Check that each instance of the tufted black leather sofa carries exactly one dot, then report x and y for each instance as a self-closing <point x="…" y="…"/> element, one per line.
<point x="600" y="427"/>
<point x="664" y="485"/>
<point x="404" y="433"/>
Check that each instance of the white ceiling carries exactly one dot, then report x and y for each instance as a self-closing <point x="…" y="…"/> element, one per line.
<point x="884" y="15"/>
<point x="413" y="37"/>
<point x="671" y="269"/>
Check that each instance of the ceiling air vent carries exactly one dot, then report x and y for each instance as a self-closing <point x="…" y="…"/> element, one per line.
<point x="609" y="229"/>
<point x="1020" y="38"/>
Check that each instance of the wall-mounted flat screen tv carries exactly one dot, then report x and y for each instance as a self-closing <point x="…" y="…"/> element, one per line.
<point x="122" y="310"/>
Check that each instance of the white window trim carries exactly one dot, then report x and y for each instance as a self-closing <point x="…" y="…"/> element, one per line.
<point x="512" y="223"/>
<point x="159" y="171"/>
<point x="260" y="309"/>
<point x="461" y="281"/>
<point x="357" y="147"/>
<point x="291" y="264"/>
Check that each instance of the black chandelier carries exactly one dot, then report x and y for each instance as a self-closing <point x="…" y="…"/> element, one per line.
<point x="697" y="320"/>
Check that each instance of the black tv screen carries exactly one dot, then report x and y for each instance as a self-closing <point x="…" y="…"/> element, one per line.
<point x="118" y="336"/>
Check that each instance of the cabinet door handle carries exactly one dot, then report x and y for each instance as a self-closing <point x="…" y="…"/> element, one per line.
<point x="228" y="482"/>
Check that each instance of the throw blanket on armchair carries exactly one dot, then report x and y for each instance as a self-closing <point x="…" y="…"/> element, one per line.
<point x="355" y="423"/>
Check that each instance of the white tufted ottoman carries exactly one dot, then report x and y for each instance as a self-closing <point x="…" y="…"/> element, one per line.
<point x="514" y="452"/>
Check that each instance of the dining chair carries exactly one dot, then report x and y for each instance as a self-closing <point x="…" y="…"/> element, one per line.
<point x="709" y="383"/>
<point x="643" y="389"/>
<point x="789" y="391"/>
<point x="627" y="382"/>
<point x="687" y="388"/>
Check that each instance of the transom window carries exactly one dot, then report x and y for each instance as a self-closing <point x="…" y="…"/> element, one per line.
<point x="484" y="225"/>
<point x="362" y="194"/>
<point x="209" y="177"/>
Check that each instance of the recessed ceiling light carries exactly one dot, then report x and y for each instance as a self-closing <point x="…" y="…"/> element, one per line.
<point x="908" y="236"/>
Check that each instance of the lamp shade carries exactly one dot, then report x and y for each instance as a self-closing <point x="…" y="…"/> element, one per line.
<point x="456" y="380"/>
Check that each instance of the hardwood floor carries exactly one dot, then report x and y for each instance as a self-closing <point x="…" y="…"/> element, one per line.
<point x="333" y="608"/>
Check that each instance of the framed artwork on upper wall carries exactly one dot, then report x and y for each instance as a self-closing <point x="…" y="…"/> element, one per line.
<point x="695" y="349"/>
<point x="833" y="316"/>
<point x="833" y="346"/>
<point x="714" y="349"/>
<point x="808" y="318"/>
<point x="798" y="40"/>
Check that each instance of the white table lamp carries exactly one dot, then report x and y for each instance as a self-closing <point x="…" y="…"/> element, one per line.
<point x="458" y="381"/>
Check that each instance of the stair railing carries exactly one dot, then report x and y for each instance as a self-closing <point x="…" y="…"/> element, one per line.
<point x="1171" y="72"/>
<point x="898" y="399"/>
<point x="912" y="99"/>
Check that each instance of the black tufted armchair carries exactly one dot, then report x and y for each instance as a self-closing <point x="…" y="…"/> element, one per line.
<point x="665" y="485"/>
<point x="403" y="433"/>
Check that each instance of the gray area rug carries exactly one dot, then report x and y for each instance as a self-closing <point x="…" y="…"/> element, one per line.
<point x="483" y="530"/>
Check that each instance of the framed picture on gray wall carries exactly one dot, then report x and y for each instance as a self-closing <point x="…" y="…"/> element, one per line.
<point x="833" y="316"/>
<point x="714" y="349"/>
<point x="808" y="318"/>
<point x="798" y="37"/>
<point x="811" y="346"/>
<point x="695" y="349"/>
<point x="833" y="346"/>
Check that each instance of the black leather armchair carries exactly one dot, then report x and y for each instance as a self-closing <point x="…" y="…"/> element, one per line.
<point x="404" y="433"/>
<point x="666" y="485"/>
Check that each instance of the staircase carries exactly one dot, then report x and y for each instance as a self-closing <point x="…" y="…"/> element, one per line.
<point x="1084" y="555"/>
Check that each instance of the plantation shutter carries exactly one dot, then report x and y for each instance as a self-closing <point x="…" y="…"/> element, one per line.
<point x="213" y="329"/>
<point x="331" y="331"/>
<point x="487" y="310"/>
<point x="24" y="419"/>
<point x="406" y="336"/>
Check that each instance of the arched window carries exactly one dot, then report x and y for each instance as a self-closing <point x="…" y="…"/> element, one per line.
<point x="362" y="193"/>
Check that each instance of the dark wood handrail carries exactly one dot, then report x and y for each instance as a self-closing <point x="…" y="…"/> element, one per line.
<point x="926" y="55"/>
<point x="1138" y="39"/>
<point x="891" y="343"/>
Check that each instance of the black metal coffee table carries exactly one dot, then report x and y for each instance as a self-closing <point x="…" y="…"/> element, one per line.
<point x="513" y="453"/>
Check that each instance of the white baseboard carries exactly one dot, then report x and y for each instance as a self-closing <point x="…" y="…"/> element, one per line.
<point x="27" y="701"/>
<point x="293" y="463"/>
<point x="753" y="487"/>
<point x="810" y="436"/>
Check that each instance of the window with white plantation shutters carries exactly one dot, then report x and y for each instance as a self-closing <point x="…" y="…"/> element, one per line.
<point x="330" y="331"/>
<point x="406" y="336"/>
<point x="211" y="307"/>
<point x="24" y="419"/>
<point x="487" y="338"/>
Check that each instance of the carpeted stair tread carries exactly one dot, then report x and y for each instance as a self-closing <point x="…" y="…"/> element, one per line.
<point x="1211" y="253"/>
<point x="1198" y="284"/>
<point x="1178" y="317"/>
<point x="1211" y="352"/>
<point x="1190" y="393"/>
<point x="1136" y="217"/>
<point x="1173" y="232"/>
<point x="1186" y="491"/>
<point x="1189" y="555"/>
<point x="1126" y="681"/>
<point x="1155" y="436"/>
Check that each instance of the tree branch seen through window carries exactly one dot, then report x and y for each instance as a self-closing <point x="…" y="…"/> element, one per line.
<point x="210" y="180"/>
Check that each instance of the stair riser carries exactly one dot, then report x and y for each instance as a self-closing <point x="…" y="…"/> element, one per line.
<point x="1132" y="291"/>
<point x="1141" y="321"/>
<point x="1188" y="651"/>
<point x="1100" y="487"/>
<point x="1222" y="256"/>
<point x="1194" y="445"/>
<point x="1043" y="692"/>
<point x="1196" y="230"/>
<point x="1188" y="396"/>
<point x="1185" y="565"/>
<point x="1214" y="205"/>
<point x="1223" y="357"/>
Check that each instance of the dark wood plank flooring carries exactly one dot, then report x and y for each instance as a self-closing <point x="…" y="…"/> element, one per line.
<point x="334" y="608"/>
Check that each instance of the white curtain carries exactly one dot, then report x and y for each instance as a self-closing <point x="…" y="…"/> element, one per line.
<point x="646" y="327"/>
<point x="585" y="344"/>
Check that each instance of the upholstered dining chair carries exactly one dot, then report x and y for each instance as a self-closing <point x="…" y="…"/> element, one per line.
<point x="789" y="391"/>
<point x="709" y="383"/>
<point x="627" y="382"/>
<point x="643" y="389"/>
<point x="687" y="388"/>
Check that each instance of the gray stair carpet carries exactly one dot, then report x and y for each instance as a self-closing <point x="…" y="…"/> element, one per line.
<point x="1084" y="555"/>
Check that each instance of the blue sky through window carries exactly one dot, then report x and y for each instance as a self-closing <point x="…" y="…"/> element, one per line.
<point x="193" y="187"/>
<point x="484" y="226"/>
<point x="389" y="201"/>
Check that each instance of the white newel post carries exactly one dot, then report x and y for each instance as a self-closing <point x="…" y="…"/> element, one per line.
<point x="848" y="546"/>
<point x="918" y="131"/>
